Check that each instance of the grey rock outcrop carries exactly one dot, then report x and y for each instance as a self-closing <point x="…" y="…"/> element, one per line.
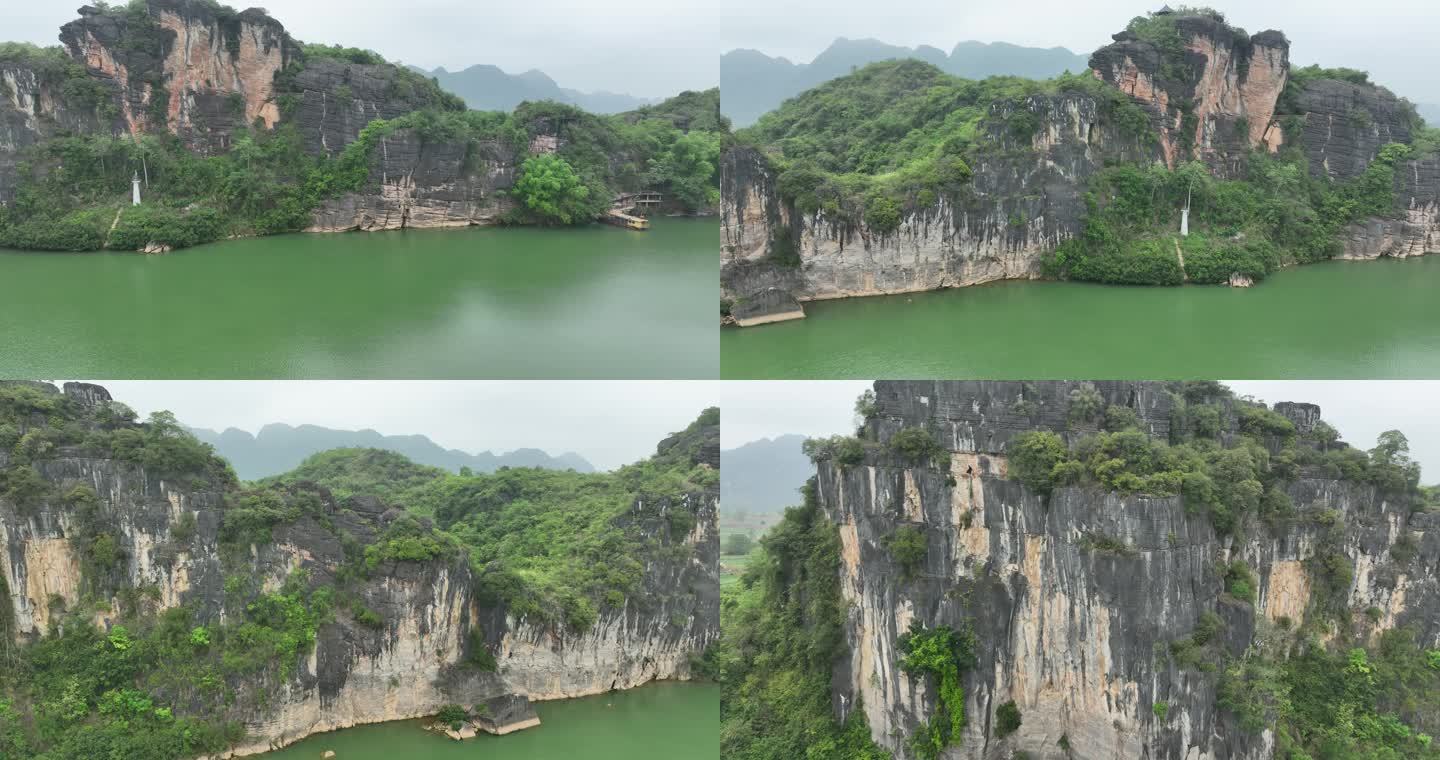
<point x="1344" y="126"/>
<point x="1026" y="198"/>
<point x="768" y="305"/>
<point x="1068" y="631"/>
<point x="414" y="183"/>
<point x="410" y="665"/>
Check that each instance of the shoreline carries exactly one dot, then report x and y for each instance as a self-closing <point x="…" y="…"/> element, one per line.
<point x="350" y="230"/>
<point x="787" y="317"/>
<point x="257" y="751"/>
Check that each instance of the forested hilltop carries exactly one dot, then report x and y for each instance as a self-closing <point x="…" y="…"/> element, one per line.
<point x="155" y="607"/>
<point x="1078" y="570"/>
<point x="900" y="177"/>
<point x="234" y="128"/>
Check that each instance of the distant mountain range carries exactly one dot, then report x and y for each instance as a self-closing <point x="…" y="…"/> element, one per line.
<point x="754" y="83"/>
<point x="487" y="88"/>
<point x="281" y="448"/>
<point x="764" y="475"/>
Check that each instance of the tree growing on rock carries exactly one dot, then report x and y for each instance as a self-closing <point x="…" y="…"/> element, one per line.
<point x="551" y="189"/>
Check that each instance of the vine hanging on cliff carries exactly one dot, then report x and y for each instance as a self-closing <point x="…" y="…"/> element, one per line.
<point x="945" y="653"/>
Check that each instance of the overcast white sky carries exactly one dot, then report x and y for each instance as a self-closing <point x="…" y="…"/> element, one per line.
<point x="1393" y="39"/>
<point x="1361" y="411"/>
<point x="648" y="48"/>
<point x="610" y="423"/>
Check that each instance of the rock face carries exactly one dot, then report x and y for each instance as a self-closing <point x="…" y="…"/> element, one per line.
<point x="414" y="183"/>
<point x="1414" y="230"/>
<point x="1216" y="105"/>
<point x="1345" y="125"/>
<point x="410" y="666"/>
<point x="216" y="69"/>
<point x="1070" y="633"/>
<point x="1222" y="99"/>
<point x="1027" y="198"/>
<point x="769" y="305"/>
<point x="336" y="99"/>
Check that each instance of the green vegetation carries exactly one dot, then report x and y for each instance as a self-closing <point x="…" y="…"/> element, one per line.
<point x="75" y="193"/>
<point x="846" y="451"/>
<point x="453" y="716"/>
<point x="895" y="137"/>
<point x="554" y="192"/>
<point x="782" y="635"/>
<point x="373" y="472"/>
<point x="1007" y="719"/>
<point x="554" y="547"/>
<point x="944" y="653"/>
<point x="83" y="692"/>
<point x="908" y="547"/>
<point x="1240" y="581"/>
<point x="737" y="544"/>
<point x="1354" y="703"/>
<point x="918" y="446"/>
<point x="1277" y="214"/>
<point x="1231" y="484"/>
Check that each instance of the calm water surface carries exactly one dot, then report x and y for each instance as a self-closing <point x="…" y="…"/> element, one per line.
<point x="592" y="302"/>
<point x="1363" y="320"/>
<point x="666" y="721"/>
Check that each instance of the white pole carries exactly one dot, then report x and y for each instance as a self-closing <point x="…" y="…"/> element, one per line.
<point x="1185" y="216"/>
<point x="135" y="190"/>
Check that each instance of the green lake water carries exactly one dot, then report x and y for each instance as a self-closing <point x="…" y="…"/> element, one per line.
<point x="591" y="302"/>
<point x="663" y="721"/>
<point x="1333" y="320"/>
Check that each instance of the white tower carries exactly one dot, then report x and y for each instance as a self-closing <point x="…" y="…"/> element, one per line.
<point x="1184" y="216"/>
<point x="135" y="190"/>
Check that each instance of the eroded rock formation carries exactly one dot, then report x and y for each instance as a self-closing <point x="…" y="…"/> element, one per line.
<point x="1075" y="635"/>
<point x="410" y="665"/>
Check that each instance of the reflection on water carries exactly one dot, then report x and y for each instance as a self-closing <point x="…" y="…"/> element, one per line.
<point x="1375" y="319"/>
<point x="589" y="302"/>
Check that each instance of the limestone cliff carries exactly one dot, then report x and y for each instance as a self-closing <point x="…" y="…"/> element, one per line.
<point x="205" y="72"/>
<point x="1217" y="103"/>
<point x="1076" y="635"/>
<point x="1026" y="198"/>
<point x="1215" y="95"/>
<point x="418" y="657"/>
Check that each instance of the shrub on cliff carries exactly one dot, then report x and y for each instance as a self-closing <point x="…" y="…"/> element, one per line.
<point x="918" y="446"/>
<point x="908" y="547"/>
<point x="846" y="451"/>
<point x="1007" y="719"/>
<point x="1034" y="456"/>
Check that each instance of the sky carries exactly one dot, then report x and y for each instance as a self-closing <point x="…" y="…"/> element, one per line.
<point x="1393" y="39"/>
<point x="646" y="48"/>
<point x="1360" y="410"/>
<point x="610" y="423"/>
